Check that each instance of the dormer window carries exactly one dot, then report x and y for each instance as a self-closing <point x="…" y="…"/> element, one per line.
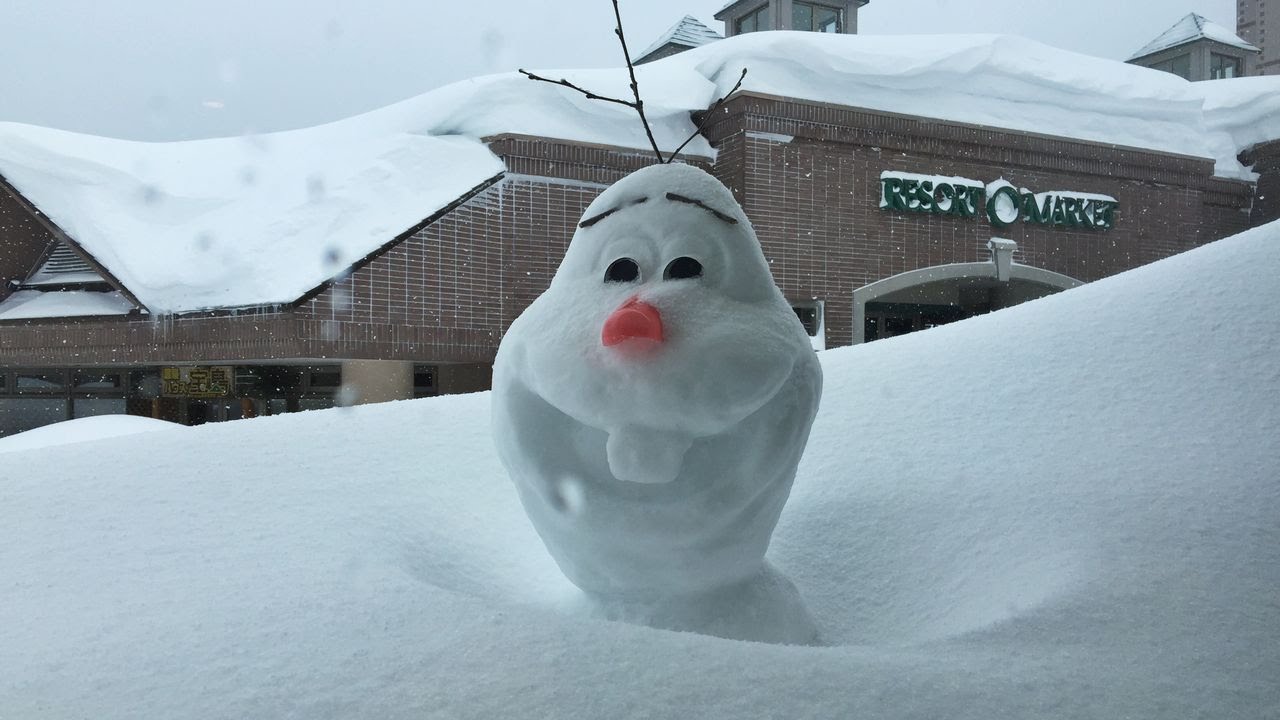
<point x="825" y="16"/>
<point x="813" y="17"/>
<point x="757" y="19"/>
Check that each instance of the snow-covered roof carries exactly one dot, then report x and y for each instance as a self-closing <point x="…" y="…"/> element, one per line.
<point x="688" y="32"/>
<point x="1192" y="27"/>
<point x="239" y="221"/>
<point x="257" y="220"/>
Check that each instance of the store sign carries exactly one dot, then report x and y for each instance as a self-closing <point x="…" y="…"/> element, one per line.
<point x="196" y="382"/>
<point x="999" y="202"/>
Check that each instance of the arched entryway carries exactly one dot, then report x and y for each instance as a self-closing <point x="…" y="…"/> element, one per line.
<point x="937" y="295"/>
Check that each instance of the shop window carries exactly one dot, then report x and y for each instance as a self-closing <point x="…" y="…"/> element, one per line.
<point x="327" y="377"/>
<point x="92" y="407"/>
<point x="25" y="413"/>
<point x="755" y="20"/>
<point x="315" y="403"/>
<point x="39" y="381"/>
<point x="886" y="320"/>
<point x="1222" y="67"/>
<point x="97" y="380"/>
<point x="816" y="18"/>
<point x="145" y="384"/>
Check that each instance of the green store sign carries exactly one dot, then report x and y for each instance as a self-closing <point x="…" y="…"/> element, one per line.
<point x="1000" y="202"/>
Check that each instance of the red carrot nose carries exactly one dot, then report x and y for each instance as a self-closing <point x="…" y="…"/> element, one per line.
<point x="634" y="319"/>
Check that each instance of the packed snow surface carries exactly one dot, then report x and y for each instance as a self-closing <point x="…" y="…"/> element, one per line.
<point x="262" y="219"/>
<point x="83" y="430"/>
<point x="1065" y="509"/>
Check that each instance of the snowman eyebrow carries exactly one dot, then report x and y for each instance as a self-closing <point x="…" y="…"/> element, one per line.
<point x="597" y="218"/>
<point x="719" y="215"/>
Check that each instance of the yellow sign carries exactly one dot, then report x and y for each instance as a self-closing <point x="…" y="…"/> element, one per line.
<point x="196" y="382"/>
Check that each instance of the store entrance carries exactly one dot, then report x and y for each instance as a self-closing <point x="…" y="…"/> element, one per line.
<point x="942" y="294"/>
<point x="887" y="319"/>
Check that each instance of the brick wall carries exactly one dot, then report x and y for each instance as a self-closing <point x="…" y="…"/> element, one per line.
<point x="451" y="290"/>
<point x="811" y="186"/>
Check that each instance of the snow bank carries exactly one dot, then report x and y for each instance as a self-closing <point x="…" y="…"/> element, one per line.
<point x="83" y="430"/>
<point x="1246" y="110"/>
<point x="262" y="219"/>
<point x="1063" y="509"/>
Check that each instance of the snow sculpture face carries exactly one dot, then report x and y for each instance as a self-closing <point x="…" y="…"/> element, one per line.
<point x="652" y="404"/>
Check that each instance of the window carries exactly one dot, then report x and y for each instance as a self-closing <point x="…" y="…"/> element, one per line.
<point x="1180" y="66"/>
<point x="92" y="407"/>
<point x="89" y="381"/>
<point x="757" y="19"/>
<point x="808" y="315"/>
<point x="1224" y="66"/>
<point x="816" y="18"/>
<point x="25" y="413"/>
<point x="424" y="380"/>
<point x="40" y="381"/>
<point x="325" y="378"/>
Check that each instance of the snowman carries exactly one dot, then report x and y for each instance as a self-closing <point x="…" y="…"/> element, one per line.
<point x="652" y="405"/>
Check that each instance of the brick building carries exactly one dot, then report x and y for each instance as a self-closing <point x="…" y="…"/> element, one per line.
<point x="875" y="223"/>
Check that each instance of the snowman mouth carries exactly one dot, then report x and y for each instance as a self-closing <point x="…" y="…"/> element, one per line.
<point x="634" y="321"/>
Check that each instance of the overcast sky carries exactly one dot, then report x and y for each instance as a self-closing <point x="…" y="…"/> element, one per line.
<point x="178" y="69"/>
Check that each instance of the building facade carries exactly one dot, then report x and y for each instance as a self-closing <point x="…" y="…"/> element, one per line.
<point x="874" y="224"/>
<point x="1253" y="24"/>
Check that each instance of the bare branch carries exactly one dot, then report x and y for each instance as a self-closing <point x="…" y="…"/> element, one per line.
<point x="707" y="115"/>
<point x="590" y="95"/>
<point x="635" y="86"/>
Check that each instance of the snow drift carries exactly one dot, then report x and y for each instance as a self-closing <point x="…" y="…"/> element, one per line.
<point x="1064" y="509"/>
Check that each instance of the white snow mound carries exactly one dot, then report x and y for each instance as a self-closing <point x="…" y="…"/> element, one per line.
<point x="83" y="429"/>
<point x="1064" y="509"/>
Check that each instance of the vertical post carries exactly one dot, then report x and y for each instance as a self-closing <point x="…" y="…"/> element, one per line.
<point x="1002" y="255"/>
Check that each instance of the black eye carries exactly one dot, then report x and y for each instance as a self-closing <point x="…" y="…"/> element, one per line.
<point x="622" y="270"/>
<point x="682" y="268"/>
